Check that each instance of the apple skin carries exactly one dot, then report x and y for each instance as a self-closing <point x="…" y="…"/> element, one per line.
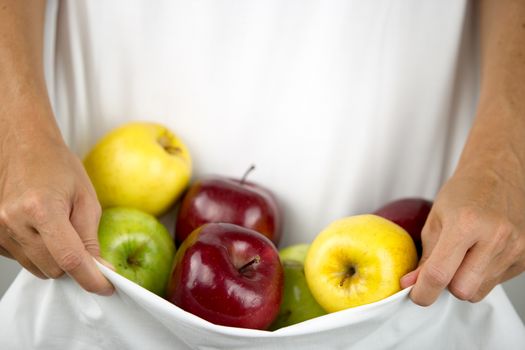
<point x="358" y="260"/>
<point x="295" y="252"/>
<point x="298" y="304"/>
<point x="138" y="246"/>
<point x="139" y="165"/>
<point x="218" y="199"/>
<point x="228" y="275"/>
<point x="409" y="213"/>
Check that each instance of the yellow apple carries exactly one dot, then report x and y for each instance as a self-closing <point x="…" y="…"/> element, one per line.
<point x="141" y="165"/>
<point x="358" y="260"/>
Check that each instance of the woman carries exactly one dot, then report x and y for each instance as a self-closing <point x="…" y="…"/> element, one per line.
<point x="342" y="105"/>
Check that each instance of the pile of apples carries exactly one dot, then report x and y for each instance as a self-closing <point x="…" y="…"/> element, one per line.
<point x="227" y="268"/>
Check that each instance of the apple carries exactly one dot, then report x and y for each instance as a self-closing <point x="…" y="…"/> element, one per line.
<point x="138" y="246"/>
<point x="298" y="304"/>
<point x="295" y="252"/>
<point x="358" y="260"/>
<point x="228" y="275"/>
<point x="409" y="213"/>
<point x="221" y="199"/>
<point x="140" y="165"/>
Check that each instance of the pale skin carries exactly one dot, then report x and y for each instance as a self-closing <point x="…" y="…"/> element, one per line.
<point x="49" y="211"/>
<point x="474" y="237"/>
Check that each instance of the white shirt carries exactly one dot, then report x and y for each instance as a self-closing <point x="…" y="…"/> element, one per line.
<point x="342" y="106"/>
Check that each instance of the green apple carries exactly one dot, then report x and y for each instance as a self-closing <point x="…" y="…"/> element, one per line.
<point x="295" y="252"/>
<point x="298" y="304"/>
<point x="138" y="246"/>
<point x="139" y="165"/>
<point x="358" y="260"/>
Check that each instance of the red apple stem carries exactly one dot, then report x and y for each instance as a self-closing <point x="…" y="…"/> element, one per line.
<point x="256" y="259"/>
<point x="250" y="169"/>
<point x="349" y="273"/>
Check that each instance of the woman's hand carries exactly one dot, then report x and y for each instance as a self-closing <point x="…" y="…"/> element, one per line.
<point x="49" y="211"/>
<point x="48" y="208"/>
<point x="474" y="237"/>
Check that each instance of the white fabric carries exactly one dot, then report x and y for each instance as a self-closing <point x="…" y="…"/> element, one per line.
<point x="59" y="315"/>
<point x="342" y="106"/>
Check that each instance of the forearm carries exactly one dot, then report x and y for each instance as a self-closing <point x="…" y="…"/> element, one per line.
<point x="474" y="237"/>
<point x="498" y="133"/>
<point x="24" y="103"/>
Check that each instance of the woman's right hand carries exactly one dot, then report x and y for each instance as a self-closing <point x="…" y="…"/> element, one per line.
<point x="49" y="212"/>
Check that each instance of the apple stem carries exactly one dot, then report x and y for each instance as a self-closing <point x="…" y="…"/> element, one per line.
<point x="165" y="142"/>
<point x="256" y="259"/>
<point x="250" y="169"/>
<point x="349" y="273"/>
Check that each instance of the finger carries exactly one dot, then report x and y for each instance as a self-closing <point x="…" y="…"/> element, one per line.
<point x="36" y="251"/>
<point x="437" y="271"/>
<point x="85" y="218"/>
<point x="498" y="275"/>
<point x="15" y="251"/>
<point x="472" y="272"/>
<point x="5" y="253"/>
<point x="69" y="252"/>
<point x="430" y="235"/>
<point x="409" y="279"/>
<point x="484" y="289"/>
<point x="489" y="284"/>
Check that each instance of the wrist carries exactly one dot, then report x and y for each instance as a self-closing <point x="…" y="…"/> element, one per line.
<point x="28" y="120"/>
<point x="496" y="141"/>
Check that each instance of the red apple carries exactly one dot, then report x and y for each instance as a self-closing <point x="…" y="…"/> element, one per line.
<point x="228" y="275"/>
<point x="409" y="213"/>
<point x="220" y="199"/>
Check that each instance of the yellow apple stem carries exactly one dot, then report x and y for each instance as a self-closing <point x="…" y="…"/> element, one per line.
<point x="256" y="259"/>
<point x="165" y="142"/>
<point x="349" y="273"/>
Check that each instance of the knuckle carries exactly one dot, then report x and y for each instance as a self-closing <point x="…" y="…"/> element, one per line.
<point x="34" y="206"/>
<point x="4" y="217"/>
<point x="504" y="231"/>
<point x="436" y="276"/>
<point x="462" y="292"/>
<point x="69" y="261"/>
<point x="502" y="235"/>
<point x="7" y="217"/>
<point x="92" y="246"/>
<point x="467" y="218"/>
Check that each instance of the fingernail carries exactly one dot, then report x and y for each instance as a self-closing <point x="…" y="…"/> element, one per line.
<point x="408" y="280"/>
